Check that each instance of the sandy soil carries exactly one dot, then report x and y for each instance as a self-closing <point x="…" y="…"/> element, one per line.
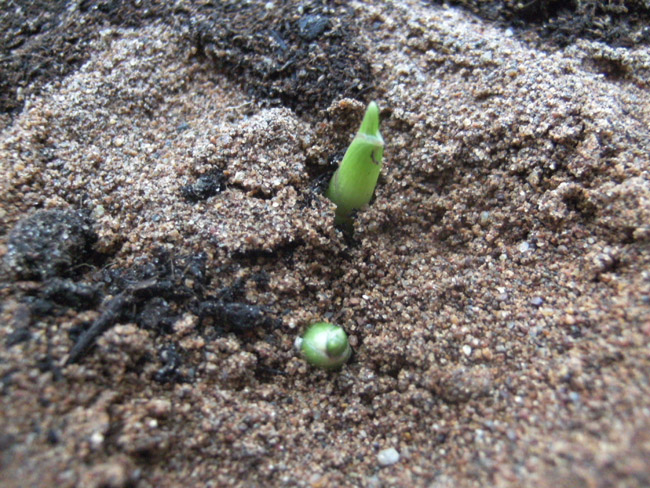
<point x="164" y="240"/>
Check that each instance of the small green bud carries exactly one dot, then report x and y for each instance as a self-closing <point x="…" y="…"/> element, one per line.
<point x="354" y="181"/>
<point x="325" y="345"/>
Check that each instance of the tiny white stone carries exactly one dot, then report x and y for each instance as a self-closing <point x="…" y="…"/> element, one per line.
<point x="96" y="439"/>
<point x="524" y="246"/>
<point x="486" y="57"/>
<point x="467" y="350"/>
<point x="98" y="211"/>
<point x="297" y="343"/>
<point x="388" y="456"/>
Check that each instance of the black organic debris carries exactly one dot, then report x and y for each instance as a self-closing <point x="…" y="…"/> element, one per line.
<point x="204" y="187"/>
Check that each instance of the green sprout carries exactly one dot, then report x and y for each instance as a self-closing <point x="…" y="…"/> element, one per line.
<point x="325" y="345"/>
<point x="354" y="181"/>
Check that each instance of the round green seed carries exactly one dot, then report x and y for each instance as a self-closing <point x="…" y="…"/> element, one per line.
<point x="326" y="346"/>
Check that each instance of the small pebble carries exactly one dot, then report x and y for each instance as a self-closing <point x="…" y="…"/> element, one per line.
<point x="467" y="350"/>
<point x="312" y="26"/>
<point x="536" y="301"/>
<point x="98" y="211"/>
<point x="388" y="456"/>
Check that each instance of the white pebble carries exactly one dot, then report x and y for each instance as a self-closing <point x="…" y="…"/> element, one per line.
<point x="524" y="246"/>
<point x="467" y="350"/>
<point x="96" y="440"/>
<point x="388" y="456"/>
<point x="98" y="211"/>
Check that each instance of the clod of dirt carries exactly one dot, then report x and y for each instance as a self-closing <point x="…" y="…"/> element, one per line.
<point x="172" y="361"/>
<point x="157" y="315"/>
<point x="204" y="187"/>
<point x="79" y="296"/>
<point x="50" y="243"/>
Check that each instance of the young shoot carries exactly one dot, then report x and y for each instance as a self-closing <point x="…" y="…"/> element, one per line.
<point x="354" y="181"/>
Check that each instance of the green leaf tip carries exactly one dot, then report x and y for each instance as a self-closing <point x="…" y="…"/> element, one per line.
<point x="326" y="346"/>
<point x="354" y="181"/>
<point x="370" y="122"/>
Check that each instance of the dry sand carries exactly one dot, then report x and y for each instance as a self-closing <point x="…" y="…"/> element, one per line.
<point x="496" y="291"/>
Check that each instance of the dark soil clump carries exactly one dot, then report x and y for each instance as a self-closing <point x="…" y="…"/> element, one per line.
<point x="302" y="55"/>
<point x="41" y="40"/>
<point x="204" y="187"/>
<point x="50" y="243"/>
<point x="625" y="23"/>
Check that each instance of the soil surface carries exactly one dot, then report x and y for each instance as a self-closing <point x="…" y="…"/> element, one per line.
<point x="164" y="239"/>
